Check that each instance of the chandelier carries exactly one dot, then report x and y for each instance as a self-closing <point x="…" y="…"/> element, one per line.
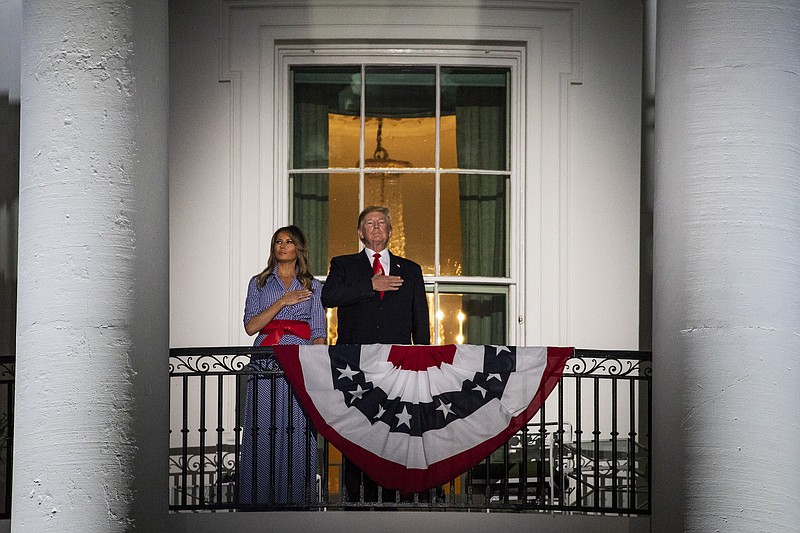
<point x="385" y="188"/>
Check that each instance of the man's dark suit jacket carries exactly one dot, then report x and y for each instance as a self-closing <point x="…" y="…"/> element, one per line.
<point x="399" y="318"/>
<point x="364" y="318"/>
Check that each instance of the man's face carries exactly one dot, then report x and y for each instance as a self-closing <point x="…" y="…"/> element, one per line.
<point x="374" y="231"/>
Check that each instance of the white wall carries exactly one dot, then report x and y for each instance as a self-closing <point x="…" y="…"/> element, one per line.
<point x="604" y="160"/>
<point x="200" y="175"/>
<point x="581" y="279"/>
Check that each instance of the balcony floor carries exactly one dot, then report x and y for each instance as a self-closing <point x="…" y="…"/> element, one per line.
<point x="353" y="522"/>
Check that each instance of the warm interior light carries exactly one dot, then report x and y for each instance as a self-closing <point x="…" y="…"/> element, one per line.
<point x="333" y="330"/>
<point x="439" y="326"/>
<point x="461" y="318"/>
<point x="385" y="186"/>
<point x="407" y="139"/>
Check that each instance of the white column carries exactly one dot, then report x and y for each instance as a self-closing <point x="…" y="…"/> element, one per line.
<point x="726" y="348"/>
<point x="91" y="435"/>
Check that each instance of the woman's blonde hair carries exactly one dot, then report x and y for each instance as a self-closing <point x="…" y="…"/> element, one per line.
<point x="303" y="271"/>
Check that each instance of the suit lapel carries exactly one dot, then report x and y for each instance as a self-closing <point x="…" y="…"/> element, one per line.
<point x="394" y="270"/>
<point x="394" y="265"/>
<point x="365" y="264"/>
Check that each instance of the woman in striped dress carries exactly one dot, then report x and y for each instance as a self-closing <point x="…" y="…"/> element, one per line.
<point x="282" y="307"/>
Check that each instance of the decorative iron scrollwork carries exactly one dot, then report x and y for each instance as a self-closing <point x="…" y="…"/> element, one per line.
<point x="607" y="366"/>
<point x="208" y="364"/>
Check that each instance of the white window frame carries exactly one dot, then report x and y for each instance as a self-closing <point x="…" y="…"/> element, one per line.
<point x="466" y="55"/>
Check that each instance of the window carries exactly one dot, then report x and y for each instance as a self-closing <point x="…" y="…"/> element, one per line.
<point x="431" y="142"/>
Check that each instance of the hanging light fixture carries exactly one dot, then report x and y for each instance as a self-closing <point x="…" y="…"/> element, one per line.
<point x="380" y="158"/>
<point x="388" y="191"/>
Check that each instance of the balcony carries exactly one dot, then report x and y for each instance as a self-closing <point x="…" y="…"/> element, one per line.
<point x="587" y="451"/>
<point x="584" y="457"/>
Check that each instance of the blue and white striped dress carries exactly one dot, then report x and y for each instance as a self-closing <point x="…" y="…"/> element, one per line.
<point x="283" y="417"/>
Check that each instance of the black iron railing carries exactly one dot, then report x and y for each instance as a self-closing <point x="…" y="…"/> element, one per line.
<point x="586" y="450"/>
<point x="7" y="368"/>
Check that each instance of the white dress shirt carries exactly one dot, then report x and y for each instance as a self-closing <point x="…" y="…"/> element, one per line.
<point x="384" y="258"/>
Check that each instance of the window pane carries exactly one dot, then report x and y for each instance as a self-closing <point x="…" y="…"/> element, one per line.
<point x="450" y="249"/>
<point x="344" y="141"/>
<point x="447" y="142"/>
<point x="343" y="216"/>
<point x="460" y="318"/>
<point x="477" y="97"/>
<point x="411" y="199"/>
<point x="400" y="115"/>
<point x="405" y="99"/>
<point x="470" y="318"/>
<point x="474" y="225"/>
<point x="332" y="318"/>
<point x="324" y="206"/>
<point x="318" y="92"/>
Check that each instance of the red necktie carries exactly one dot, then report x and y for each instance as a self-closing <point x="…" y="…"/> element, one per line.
<point x="377" y="268"/>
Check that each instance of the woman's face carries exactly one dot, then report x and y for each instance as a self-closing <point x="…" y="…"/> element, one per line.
<point x="284" y="248"/>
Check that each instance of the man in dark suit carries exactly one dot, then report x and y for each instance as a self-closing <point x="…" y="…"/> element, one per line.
<point x="381" y="300"/>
